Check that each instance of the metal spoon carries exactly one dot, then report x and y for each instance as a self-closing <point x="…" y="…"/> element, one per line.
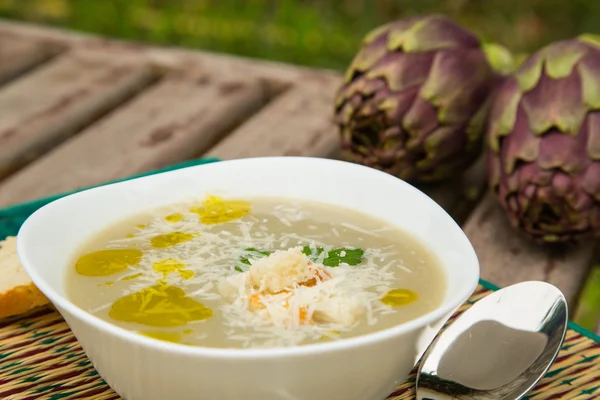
<point x="499" y="348"/>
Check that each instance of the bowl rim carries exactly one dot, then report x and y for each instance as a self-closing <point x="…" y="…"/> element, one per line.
<point x="62" y="301"/>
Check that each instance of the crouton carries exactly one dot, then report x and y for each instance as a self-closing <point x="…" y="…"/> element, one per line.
<point x="281" y="270"/>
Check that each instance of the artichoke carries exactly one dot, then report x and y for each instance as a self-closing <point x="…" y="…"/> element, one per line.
<point x="544" y="143"/>
<point x="416" y="98"/>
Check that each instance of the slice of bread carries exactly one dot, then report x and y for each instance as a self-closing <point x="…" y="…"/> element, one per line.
<point x="18" y="294"/>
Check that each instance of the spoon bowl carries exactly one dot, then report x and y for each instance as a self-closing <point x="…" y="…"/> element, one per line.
<point x="497" y="349"/>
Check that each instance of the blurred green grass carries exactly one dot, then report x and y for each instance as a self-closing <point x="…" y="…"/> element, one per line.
<point x="321" y="33"/>
<point x="318" y="33"/>
<point x="588" y="309"/>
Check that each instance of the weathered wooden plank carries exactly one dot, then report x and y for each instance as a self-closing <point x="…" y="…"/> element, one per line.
<point x="297" y="123"/>
<point x="277" y="75"/>
<point x="18" y="56"/>
<point x="172" y="121"/>
<point x="55" y="101"/>
<point x="459" y="195"/>
<point x="506" y="257"/>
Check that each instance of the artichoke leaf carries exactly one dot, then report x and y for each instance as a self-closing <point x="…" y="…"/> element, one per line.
<point x="591" y="181"/>
<point x="431" y="33"/>
<point x="401" y="71"/>
<point x="366" y="57"/>
<point x="530" y="72"/>
<point x="562" y="58"/>
<point x="590" y="38"/>
<point x="456" y="103"/>
<point x="521" y="145"/>
<point x="499" y="58"/>
<point x="504" y="112"/>
<point x="562" y="108"/>
<point x="589" y="70"/>
<point x="476" y="125"/>
<point x="377" y="33"/>
<point x="593" y="131"/>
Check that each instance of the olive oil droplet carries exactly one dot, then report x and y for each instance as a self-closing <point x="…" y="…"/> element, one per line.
<point x="215" y="210"/>
<point x="399" y="297"/>
<point x="159" y="306"/>
<point x="107" y="262"/>
<point x="165" y="267"/>
<point x="172" y="337"/>
<point x="186" y="274"/>
<point x="170" y="239"/>
<point x="131" y="277"/>
<point x="174" y="217"/>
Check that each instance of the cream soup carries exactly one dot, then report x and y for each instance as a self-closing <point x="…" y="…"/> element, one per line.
<point x="259" y="272"/>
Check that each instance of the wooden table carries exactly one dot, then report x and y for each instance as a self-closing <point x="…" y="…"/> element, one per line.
<point x="78" y="110"/>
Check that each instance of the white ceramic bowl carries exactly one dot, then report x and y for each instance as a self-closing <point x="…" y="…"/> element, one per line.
<point x="139" y="368"/>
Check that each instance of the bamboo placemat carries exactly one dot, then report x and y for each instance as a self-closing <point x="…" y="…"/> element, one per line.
<point x="41" y="359"/>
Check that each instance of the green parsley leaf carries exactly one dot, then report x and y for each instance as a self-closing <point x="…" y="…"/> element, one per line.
<point x="312" y="253"/>
<point x="343" y="256"/>
<point x="333" y="258"/>
<point x="250" y="254"/>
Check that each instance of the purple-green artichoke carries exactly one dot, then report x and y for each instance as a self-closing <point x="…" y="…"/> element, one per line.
<point x="544" y="143"/>
<point x="416" y="98"/>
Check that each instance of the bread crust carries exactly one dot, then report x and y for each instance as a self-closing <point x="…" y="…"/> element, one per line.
<point x="18" y="299"/>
